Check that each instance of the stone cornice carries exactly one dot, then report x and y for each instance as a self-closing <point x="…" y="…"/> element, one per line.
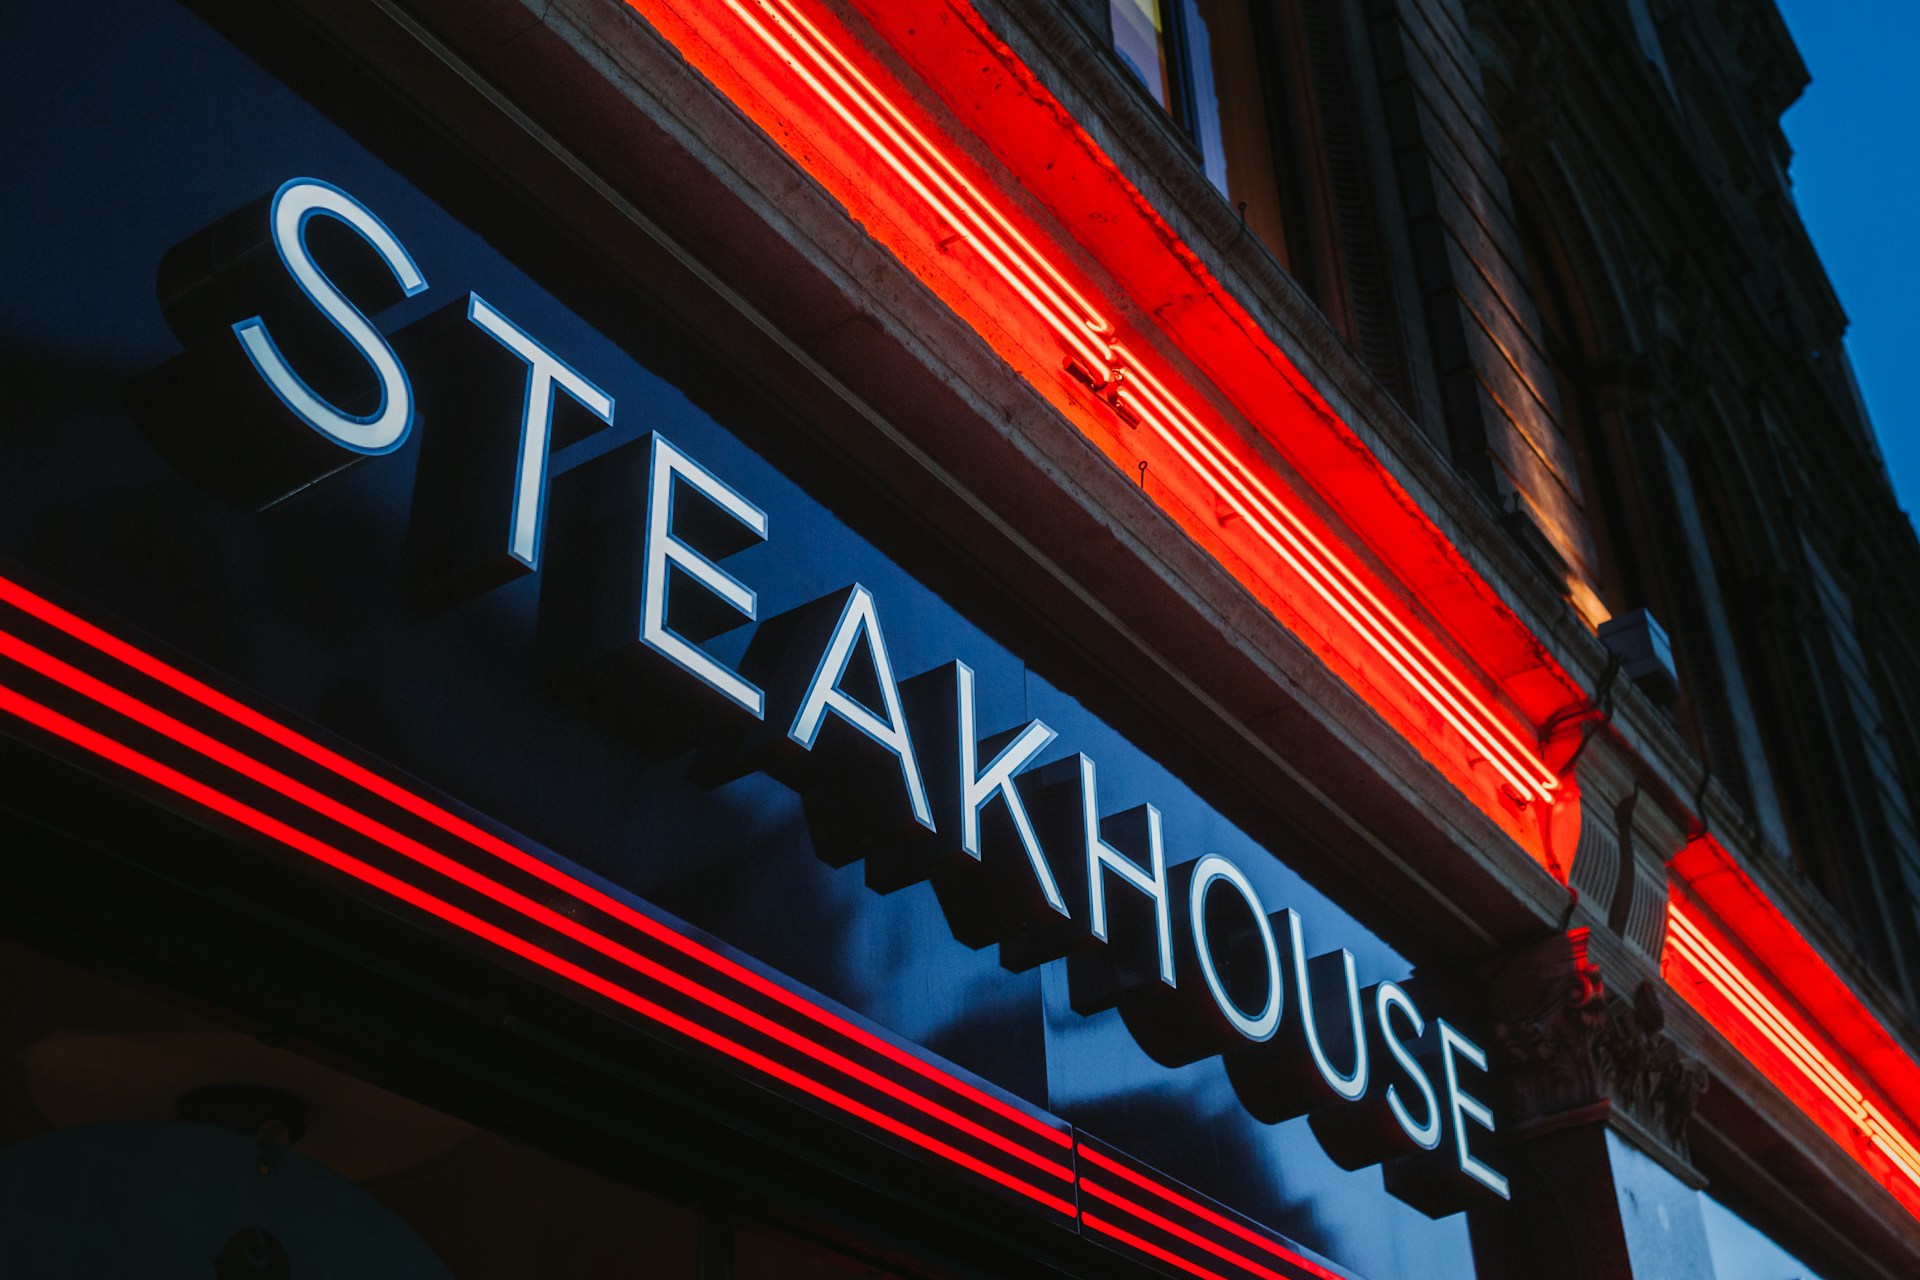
<point x="1089" y="80"/>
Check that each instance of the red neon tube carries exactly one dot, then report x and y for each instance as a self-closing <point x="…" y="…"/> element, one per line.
<point x="137" y="659"/>
<point x="1712" y="967"/>
<point x="327" y="807"/>
<point x="1322" y="569"/>
<point x="1173" y="1228"/>
<point x="918" y="161"/>
<point x="234" y="810"/>
<point x="1198" y="1210"/>
<point x="813" y="89"/>
<point x="1165" y="1255"/>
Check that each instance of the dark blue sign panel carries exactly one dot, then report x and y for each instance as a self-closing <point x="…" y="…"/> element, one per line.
<point x="407" y="468"/>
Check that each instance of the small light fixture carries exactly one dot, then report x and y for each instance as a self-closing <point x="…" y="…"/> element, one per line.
<point x="1646" y="655"/>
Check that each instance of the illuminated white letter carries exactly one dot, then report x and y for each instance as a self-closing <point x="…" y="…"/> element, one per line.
<point x="824" y="694"/>
<point x="1461" y="1104"/>
<point x="1386" y="998"/>
<point x="1255" y="1026"/>
<point x="545" y="370"/>
<point x="1353" y="1086"/>
<point x="1103" y="857"/>
<point x="670" y="469"/>
<point x="385" y="429"/>
<point x="978" y="788"/>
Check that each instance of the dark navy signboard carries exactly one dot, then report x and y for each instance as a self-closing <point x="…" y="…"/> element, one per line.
<point x="135" y="127"/>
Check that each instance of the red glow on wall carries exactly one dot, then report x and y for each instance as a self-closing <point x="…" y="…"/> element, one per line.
<point x="1732" y="955"/>
<point x="1336" y="549"/>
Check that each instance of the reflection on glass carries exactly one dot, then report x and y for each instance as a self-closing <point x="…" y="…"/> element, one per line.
<point x="1674" y="1230"/>
<point x="1742" y="1252"/>
<point x="1231" y="122"/>
<point x="1140" y="37"/>
<point x="1200" y="59"/>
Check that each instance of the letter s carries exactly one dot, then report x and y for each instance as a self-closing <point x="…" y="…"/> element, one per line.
<point x="385" y="429"/>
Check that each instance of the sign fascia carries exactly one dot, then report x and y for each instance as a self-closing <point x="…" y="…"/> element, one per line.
<point x="635" y="551"/>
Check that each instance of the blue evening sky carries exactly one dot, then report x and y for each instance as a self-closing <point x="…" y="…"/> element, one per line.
<point x="1856" y="177"/>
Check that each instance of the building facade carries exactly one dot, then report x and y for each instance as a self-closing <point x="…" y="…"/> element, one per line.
<point x="762" y="638"/>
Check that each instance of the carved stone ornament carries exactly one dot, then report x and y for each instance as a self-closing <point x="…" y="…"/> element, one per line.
<point x="1569" y="1050"/>
<point x="1644" y="1071"/>
<point x="1555" y="1006"/>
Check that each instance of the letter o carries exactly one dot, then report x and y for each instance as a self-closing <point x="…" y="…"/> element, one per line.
<point x="1259" y="1026"/>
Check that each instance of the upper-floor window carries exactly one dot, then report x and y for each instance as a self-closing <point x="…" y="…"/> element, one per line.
<point x="1265" y="93"/>
<point x="1141" y="37"/>
<point x="1202" y="61"/>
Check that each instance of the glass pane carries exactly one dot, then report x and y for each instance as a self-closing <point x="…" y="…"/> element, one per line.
<point x="1742" y="1252"/>
<point x="1674" y="1231"/>
<point x="1140" y="37"/>
<point x="1231" y="121"/>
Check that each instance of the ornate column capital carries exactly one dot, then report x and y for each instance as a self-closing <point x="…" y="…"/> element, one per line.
<point x="1575" y="1053"/>
<point x="1645" y="1074"/>
<point x="1549" y="1004"/>
<point x="1575" y="1061"/>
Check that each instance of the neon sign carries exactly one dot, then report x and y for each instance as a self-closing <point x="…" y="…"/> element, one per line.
<point x="1027" y="852"/>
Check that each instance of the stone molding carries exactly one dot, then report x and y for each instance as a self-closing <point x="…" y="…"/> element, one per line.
<point x="1573" y="1053"/>
<point x="1644" y="1070"/>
